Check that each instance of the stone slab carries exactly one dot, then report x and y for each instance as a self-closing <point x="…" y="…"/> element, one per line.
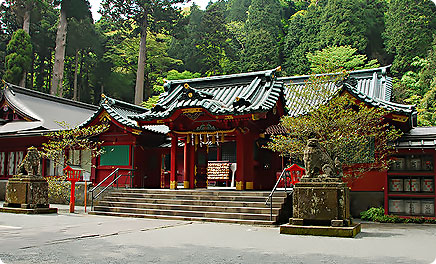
<point x="28" y="211"/>
<point x="330" y="231"/>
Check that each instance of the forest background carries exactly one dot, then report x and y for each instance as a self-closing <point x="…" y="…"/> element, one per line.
<point x="55" y="46"/>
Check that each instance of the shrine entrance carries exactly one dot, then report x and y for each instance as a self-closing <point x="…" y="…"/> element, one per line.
<point x="206" y="160"/>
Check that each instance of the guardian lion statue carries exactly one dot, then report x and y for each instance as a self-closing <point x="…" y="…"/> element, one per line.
<point x="30" y="163"/>
<point x="316" y="159"/>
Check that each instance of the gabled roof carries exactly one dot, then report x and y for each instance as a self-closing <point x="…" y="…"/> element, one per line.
<point x="121" y="111"/>
<point x="235" y="94"/>
<point x="41" y="111"/>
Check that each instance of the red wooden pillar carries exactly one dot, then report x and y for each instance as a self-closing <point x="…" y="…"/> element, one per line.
<point x="186" y="165"/>
<point x="244" y="161"/>
<point x="173" y="176"/>
<point x="192" y="166"/>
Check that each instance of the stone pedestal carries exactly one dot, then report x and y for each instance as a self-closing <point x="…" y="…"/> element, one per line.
<point x="27" y="194"/>
<point x="321" y="206"/>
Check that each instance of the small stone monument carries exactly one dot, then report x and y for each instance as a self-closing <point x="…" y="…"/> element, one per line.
<point x="27" y="192"/>
<point x="321" y="202"/>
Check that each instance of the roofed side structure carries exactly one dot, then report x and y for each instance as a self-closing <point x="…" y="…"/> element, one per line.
<point x="119" y="111"/>
<point x="418" y="138"/>
<point x="370" y="86"/>
<point x="374" y="83"/>
<point x="26" y="111"/>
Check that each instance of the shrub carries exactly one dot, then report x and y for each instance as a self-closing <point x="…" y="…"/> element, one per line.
<point x="378" y="215"/>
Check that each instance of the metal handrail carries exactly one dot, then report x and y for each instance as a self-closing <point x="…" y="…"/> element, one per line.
<point x="115" y="179"/>
<point x="283" y="175"/>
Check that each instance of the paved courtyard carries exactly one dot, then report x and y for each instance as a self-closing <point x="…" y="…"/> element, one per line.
<point x="82" y="238"/>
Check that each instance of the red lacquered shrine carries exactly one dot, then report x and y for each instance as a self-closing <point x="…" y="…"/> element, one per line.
<point x="220" y="122"/>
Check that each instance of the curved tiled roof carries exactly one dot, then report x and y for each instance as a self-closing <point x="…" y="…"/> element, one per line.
<point x="235" y="94"/>
<point x="121" y="112"/>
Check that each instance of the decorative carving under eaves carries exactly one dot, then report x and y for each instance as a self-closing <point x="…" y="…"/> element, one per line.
<point x="206" y="127"/>
<point x="193" y="116"/>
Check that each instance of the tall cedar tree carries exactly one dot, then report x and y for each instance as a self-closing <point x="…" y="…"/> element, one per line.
<point x="69" y="8"/>
<point x="149" y="16"/>
<point x="410" y="26"/>
<point x="264" y="29"/>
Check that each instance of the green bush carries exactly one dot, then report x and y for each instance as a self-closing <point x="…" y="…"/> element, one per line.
<point x="372" y="214"/>
<point x="378" y="215"/>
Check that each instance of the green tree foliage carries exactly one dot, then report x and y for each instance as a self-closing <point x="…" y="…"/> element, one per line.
<point x="186" y="39"/>
<point x="410" y="26"/>
<point x="354" y="23"/>
<point x="19" y="57"/>
<point x="345" y="128"/>
<point x="237" y="10"/>
<point x="338" y="57"/>
<point x="72" y="138"/>
<point x="171" y="75"/>
<point x="213" y="42"/>
<point x="149" y="16"/>
<point x="302" y="37"/>
<point x="263" y="29"/>
<point x="419" y="87"/>
<point x="61" y="143"/>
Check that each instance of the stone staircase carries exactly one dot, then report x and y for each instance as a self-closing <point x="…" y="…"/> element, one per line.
<point x="242" y="207"/>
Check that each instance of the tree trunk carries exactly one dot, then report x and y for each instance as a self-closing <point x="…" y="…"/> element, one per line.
<point x="58" y="66"/>
<point x="26" y="21"/>
<point x="139" y="88"/>
<point x="75" y="75"/>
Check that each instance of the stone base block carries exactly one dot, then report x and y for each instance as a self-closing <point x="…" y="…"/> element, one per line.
<point x="332" y="231"/>
<point x="29" y="191"/>
<point x="28" y="211"/>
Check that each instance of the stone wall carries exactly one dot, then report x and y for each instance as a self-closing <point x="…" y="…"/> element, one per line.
<point x="80" y="195"/>
<point x="79" y="192"/>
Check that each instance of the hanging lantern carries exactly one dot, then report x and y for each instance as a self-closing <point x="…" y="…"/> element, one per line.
<point x="196" y="140"/>
<point x="188" y="139"/>
<point x="204" y="139"/>
<point x="213" y="140"/>
<point x="222" y="138"/>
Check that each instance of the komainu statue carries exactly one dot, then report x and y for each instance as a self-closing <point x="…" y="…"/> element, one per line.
<point x="316" y="159"/>
<point x="30" y="163"/>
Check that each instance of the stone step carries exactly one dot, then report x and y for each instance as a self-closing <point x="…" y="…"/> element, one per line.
<point x="204" y="192"/>
<point x="276" y="203"/>
<point x="194" y="214"/>
<point x="184" y="207"/>
<point x="185" y="218"/>
<point x="247" y="207"/>
<point x="178" y="196"/>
